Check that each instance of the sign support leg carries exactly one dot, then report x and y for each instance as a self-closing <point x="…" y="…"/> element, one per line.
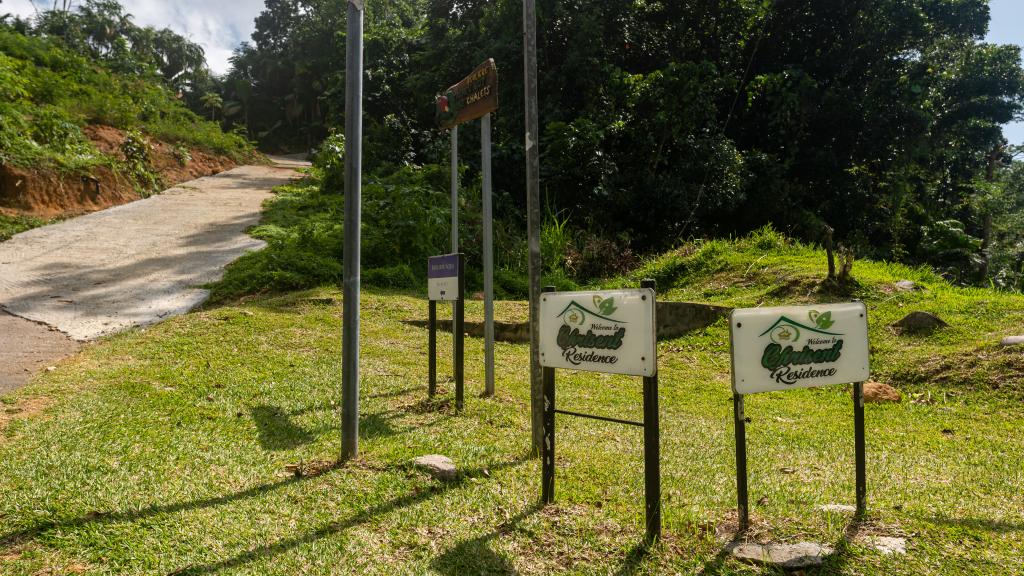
<point x="652" y="459"/>
<point x="485" y="138"/>
<point x="548" y="447"/>
<point x="742" y="508"/>
<point x="861" y="455"/>
<point x="459" y="332"/>
<point x="652" y="450"/>
<point x="432" y="350"/>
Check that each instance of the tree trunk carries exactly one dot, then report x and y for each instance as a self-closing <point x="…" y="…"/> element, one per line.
<point x="829" y="231"/>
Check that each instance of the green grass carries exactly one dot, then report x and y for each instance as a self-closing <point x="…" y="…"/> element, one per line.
<point x="11" y="225"/>
<point x="168" y="450"/>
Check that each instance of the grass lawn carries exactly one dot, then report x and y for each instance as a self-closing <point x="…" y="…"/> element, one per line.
<point x="207" y="444"/>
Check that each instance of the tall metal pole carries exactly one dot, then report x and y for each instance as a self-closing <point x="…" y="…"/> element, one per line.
<point x="455" y="190"/>
<point x="485" y="139"/>
<point x="533" y="217"/>
<point x="353" y="223"/>
<point x="455" y="215"/>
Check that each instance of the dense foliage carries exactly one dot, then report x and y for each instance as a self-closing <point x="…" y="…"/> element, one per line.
<point x="49" y="92"/>
<point x="668" y="120"/>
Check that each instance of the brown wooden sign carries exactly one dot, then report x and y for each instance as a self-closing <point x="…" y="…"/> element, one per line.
<point x="475" y="96"/>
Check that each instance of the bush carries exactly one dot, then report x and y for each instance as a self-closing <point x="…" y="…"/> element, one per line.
<point x="398" y="276"/>
<point x="404" y="223"/>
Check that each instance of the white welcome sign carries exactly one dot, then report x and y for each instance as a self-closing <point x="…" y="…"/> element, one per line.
<point x="799" y="347"/>
<point x="610" y="331"/>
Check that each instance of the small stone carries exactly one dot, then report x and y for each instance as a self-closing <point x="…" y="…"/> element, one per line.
<point x="787" y="556"/>
<point x="878" y="393"/>
<point x="919" y="323"/>
<point x="51" y="368"/>
<point x="440" y="467"/>
<point x="887" y="545"/>
<point x="838" y="508"/>
<point x="905" y="286"/>
<point x="1012" y="341"/>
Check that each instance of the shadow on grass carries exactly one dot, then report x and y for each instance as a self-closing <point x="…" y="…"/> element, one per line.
<point x="19" y="536"/>
<point x="476" y="556"/>
<point x="333" y="528"/>
<point x="975" y="523"/>
<point x="631" y="563"/>
<point x="276" y="429"/>
<point x="15" y="538"/>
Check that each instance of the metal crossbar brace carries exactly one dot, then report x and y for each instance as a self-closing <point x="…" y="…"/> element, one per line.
<point x="602" y="418"/>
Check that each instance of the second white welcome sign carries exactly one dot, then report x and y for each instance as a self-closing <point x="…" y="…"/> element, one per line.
<point x="799" y="347"/>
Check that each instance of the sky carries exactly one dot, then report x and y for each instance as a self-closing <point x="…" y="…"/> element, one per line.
<point x="220" y="26"/>
<point x="1007" y="27"/>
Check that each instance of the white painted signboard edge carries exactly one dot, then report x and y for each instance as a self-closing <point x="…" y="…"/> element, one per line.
<point x="750" y="377"/>
<point x="636" y="308"/>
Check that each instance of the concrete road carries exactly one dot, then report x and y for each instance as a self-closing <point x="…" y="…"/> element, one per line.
<point x="131" y="265"/>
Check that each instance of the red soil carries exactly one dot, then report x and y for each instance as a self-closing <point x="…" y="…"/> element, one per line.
<point x="49" y="194"/>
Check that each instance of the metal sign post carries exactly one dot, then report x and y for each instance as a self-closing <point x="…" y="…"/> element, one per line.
<point x="353" y="219"/>
<point x="798" y="347"/>
<point x="475" y="96"/>
<point x="446" y="281"/>
<point x="455" y="189"/>
<point x="485" y="139"/>
<point x="533" y="215"/>
<point x="610" y="332"/>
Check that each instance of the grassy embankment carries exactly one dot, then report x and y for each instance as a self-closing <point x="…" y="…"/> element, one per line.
<point x="49" y="95"/>
<point x="11" y="225"/>
<point x="169" y="449"/>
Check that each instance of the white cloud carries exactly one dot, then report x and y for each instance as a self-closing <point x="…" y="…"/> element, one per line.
<point x="219" y="27"/>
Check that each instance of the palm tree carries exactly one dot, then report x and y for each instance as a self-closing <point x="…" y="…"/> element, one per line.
<point x="213" y="102"/>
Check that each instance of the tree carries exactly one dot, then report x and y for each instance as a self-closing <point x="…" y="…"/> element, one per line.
<point x="212" y="102"/>
<point x="664" y="120"/>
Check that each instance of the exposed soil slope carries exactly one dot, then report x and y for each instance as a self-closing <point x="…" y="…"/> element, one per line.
<point x="49" y="194"/>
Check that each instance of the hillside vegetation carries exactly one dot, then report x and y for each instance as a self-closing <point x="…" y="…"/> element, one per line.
<point x="665" y="121"/>
<point x="75" y="135"/>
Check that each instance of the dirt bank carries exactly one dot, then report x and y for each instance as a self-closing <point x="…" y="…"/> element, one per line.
<point x="49" y="194"/>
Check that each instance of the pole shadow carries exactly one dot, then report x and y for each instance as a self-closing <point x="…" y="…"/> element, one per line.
<point x="476" y="556"/>
<point x="337" y="527"/>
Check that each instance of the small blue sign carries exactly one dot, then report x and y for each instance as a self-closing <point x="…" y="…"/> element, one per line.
<point x="446" y="266"/>
<point x="443" y="277"/>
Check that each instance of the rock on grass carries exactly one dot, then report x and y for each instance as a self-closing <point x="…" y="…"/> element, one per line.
<point x="786" y="556"/>
<point x="440" y="467"/>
